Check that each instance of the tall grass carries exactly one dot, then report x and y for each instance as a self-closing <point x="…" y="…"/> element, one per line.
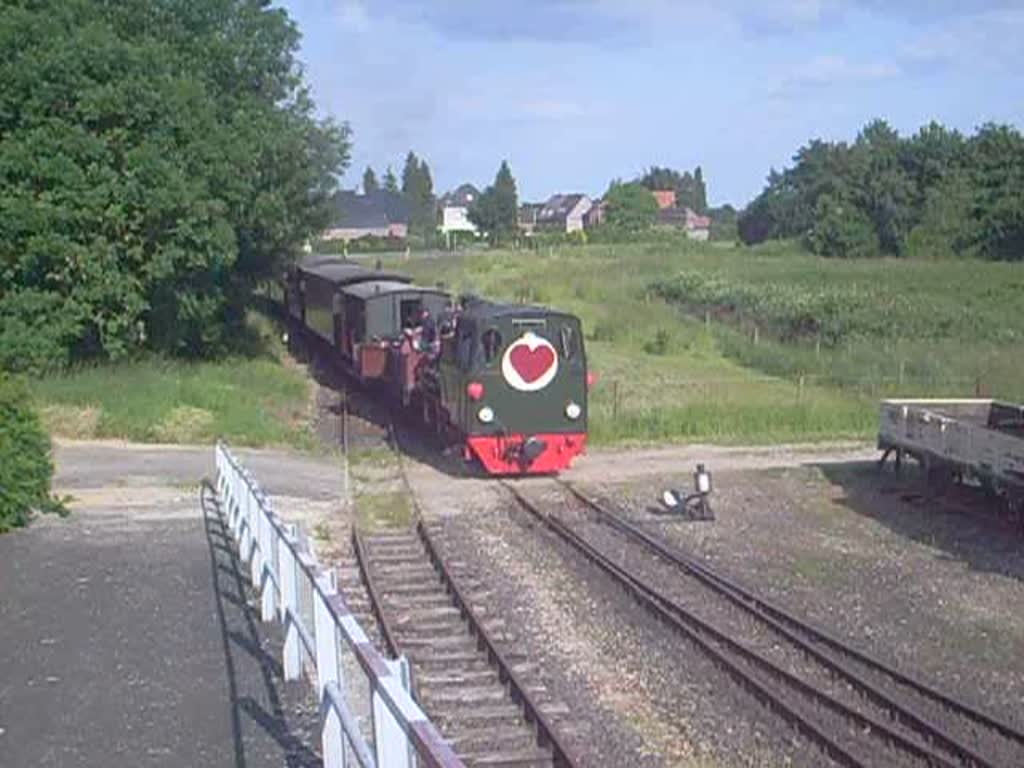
<point x="252" y="400"/>
<point x="662" y="375"/>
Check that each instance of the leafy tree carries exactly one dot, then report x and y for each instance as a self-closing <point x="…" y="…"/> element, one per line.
<point x="496" y="209"/>
<point x="631" y="207"/>
<point x="418" y="191"/>
<point x="370" y="184"/>
<point x="723" y="223"/>
<point x="158" y="161"/>
<point x="390" y="182"/>
<point x="933" y="194"/>
<point x="842" y="230"/>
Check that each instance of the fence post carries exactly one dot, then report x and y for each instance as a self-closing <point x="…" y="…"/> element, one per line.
<point x="255" y="553"/>
<point x="800" y="390"/>
<point x="271" y="579"/>
<point x="244" y="527"/>
<point x="327" y="670"/>
<point x="615" y="400"/>
<point x="288" y="568"/>
<point x="393" y="747"/>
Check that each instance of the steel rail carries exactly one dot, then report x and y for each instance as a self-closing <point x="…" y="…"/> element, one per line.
<point x="376" y="605"/>
<point x="547" y="736"/>
<point x="695" y="629"/>
<point x="776" y="617"/>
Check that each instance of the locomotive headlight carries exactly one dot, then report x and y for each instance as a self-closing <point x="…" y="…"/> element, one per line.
<point x="485" y="414"/>
<point x="573" y="410"/>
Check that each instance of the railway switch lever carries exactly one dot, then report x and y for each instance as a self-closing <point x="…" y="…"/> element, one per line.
<point x="695" y="503"/>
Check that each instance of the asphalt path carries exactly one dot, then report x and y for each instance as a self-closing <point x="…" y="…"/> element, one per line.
<point x="128" y="634"/>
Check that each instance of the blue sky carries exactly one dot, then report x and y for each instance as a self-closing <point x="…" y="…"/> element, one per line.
<point x="577" y="92"/>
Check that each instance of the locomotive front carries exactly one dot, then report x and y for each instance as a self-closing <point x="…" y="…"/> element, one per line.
<point x="517" y="377"/>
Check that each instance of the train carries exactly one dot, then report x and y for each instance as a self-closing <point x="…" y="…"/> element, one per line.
<point x="506" y="382"/>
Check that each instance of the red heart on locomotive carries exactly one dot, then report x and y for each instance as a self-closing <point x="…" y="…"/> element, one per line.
<point x="531" y="364"/>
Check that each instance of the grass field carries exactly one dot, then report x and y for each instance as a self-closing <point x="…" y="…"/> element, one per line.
<point x="256" y="400"/>
<point x="670" y="370"/>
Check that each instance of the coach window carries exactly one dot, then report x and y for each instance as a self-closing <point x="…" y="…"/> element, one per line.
<point x="491" y="342"/>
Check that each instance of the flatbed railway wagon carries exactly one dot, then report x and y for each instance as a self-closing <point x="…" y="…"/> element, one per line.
<point x="980" y="439"/>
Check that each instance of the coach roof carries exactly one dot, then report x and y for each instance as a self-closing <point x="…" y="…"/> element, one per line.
<point x="369" y="289"/>
<point x="342" y="272"/>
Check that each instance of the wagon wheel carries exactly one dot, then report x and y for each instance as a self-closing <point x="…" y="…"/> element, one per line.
<point x="938" y="478"/>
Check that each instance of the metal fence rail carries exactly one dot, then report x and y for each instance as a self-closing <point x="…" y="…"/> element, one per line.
<point x="383" y="729"/>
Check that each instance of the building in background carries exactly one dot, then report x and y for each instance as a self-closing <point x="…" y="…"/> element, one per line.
<point x="455" y="207"/>
<point x="697" y="227"/>
<point x="527" y="217"/>
<point x="564" y="213"/>
<point x="666" y="198"/>
<point x="378" y="214"/>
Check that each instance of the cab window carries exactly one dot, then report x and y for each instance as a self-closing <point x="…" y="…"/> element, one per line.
<point x="570" y="344"/>
<point x="464" y="351"/>
<point x="490" y="341"/>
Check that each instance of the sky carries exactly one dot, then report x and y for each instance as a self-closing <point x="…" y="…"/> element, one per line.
<point x="574" y="93"/>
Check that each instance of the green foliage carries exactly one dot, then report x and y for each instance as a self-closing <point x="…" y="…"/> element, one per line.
<point x="935" y="194"/>
<point x="390" y="181"/>
<point x="495" y="211"/>
<point x="631" y="207"/>
<point x="159" y="160"/>
<point x="724" y="223"/>
<point x="841" y="229"/>
<point x="418" y="191"/>
<point x="254" y="399"/>
<point x="26" y="469"/>
<point x="691" y="191"/>
<point x="370" y="184"/>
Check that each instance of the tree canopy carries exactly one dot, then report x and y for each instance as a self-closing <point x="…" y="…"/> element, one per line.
<point x="370" y="184"/>
<point x="418" y="191"/>
<point x="933" y="194"/>
<point x="390" y="181"/>
<point x="496" y="210"/>
<point x="631" y="207"/>
<point x="158" y="160"/>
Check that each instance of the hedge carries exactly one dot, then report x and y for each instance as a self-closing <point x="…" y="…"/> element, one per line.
<point x="26" y="468"/>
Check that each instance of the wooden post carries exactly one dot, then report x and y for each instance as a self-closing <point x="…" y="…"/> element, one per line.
<point x="757" y="334"/>
<point x="817" y="348"/>
<point x="615" y="400"/>
<point x="707" y="321"/>
<point x="800" y="389"/>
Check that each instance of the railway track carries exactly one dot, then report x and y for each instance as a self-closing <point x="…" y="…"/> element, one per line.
<point x="435" y="612"/>
<point x="857" y="710"/>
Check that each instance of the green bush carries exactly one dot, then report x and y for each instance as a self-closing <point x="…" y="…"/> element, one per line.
<point x="26" y="469"/>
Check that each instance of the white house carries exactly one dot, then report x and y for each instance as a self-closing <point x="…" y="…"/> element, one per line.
<point x="455" y="212"/>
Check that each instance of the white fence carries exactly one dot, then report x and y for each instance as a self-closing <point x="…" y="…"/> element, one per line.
<point x="367" y="715"/>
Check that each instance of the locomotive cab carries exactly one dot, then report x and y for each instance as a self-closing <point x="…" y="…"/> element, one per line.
<point x="514" y="381"/>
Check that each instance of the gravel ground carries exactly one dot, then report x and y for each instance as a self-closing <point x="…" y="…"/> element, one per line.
<point x="638" y="695"/>
<point x="923" y="584"/>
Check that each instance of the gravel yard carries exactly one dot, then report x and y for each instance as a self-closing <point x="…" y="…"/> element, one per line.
<point x="924" y="585"/>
